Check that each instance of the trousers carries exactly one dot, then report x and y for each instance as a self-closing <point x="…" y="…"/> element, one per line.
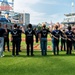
<point x="43" y="44"/>
<point x="1" y="45"/>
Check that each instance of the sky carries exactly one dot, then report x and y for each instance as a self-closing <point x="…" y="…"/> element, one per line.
<point x="44" y="10"/>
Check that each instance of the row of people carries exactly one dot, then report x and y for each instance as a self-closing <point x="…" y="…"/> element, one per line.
<point x="69" y="36"/>
<point x="16" y="39"/>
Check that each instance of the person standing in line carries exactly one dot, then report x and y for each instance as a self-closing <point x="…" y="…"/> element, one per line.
<point x="15" y="40"/>
<point x="29" y="39"/>
<point x="36" y="34"/>
<point x="69" y="35"/>
<point x="19" y="27"/>
<point x="56" y="36"/>
<point x="43" y="39"/>
<point x="73" y="40"/>
<point x="2" y="31"/>
<point x="6" y="37"/>
<point x="63" y="40"/>
<point x="52" y="28"/>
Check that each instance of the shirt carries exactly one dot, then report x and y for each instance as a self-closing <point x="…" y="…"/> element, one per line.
<point x="63" y="35"/>
<point x="2" y="31"/>
<point x="29" y="35"/>
<point x="44" y="33"/>
<point x="15" y="33"/>
<point x="20" y="34"/>
<point x="56" y="33"/>
<point x="6" y="34"/>
<point x="69" y="34"/>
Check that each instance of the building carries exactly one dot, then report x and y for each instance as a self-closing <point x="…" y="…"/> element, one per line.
<point x="69" y="19"/>
<point x="7" y="11"/>
<point x="26" y="19"/>
<point x="5" y="5"/>
<point x="21" y="18"/>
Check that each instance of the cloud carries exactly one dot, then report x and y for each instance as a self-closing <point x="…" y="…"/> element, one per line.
<point x="48" y="18"/>
<point x="35" y="16"/>
<point x="56" y="17"/>
<point x="24" y="6"/>
<point x="30" y="1"/>
<point x="49" y="2"/>
<point x="26" y="2"/>
<point x="54" y="2"/>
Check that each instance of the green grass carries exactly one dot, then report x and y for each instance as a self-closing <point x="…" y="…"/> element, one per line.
<point x="61" y="64"/>
<point x="37" y="65"/>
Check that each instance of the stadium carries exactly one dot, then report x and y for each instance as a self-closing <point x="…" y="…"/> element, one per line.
<point x="38" y="64"/>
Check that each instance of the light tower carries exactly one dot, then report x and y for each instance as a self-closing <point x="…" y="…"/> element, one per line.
<point x="72" y="7"/>
<point x="13" y="5"/>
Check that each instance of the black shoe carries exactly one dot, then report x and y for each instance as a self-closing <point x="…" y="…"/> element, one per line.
<point x="13" y="55"/>
<point x="27" y="54"/>
<point x="20" y="51"/>
<point x="67" y="53"/>
<point x="32" y="54"/>
<point x="17" y="55"/>
<point x="70" y="53"/>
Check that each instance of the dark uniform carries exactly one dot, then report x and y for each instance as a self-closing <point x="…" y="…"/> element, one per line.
<point x="63" y="41"/>
<point x="43" y="41"/>
<point x="19" y="38"/>
<point x="15" y="42"/>
<point x="29" y="40"/>
<point x="74" y="42"/>
<point x="56" y="33"/>
<point x="36" y="35"/>
<point x="69" y="34"/>
<point x="6" y="39"/>
<point x="2" y="31"/>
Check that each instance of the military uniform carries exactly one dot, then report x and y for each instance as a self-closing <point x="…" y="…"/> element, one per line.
<point x="69" y="34"/>
<point x="6" y="39"/>
<point x="2" y="31"/>
<point x="63" y="41"/>
<point x="20" y="40"/>
<point x="36" y="35"/>
<point x="43" y="40"/>
<point x="15" y="42"/>
<point x="56" y="34"/>
<point x="29" y="40"/>
<point x="74" y="42"/>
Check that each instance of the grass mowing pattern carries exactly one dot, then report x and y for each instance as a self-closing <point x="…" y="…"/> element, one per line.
<point x="37" y="65"/>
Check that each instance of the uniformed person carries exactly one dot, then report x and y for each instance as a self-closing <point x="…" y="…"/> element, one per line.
<point x="56" y="35"/>
<point x="15" y="40"/>
<point x="2" y="31"/>
<point x="73" y="43"/>
<point x="43" y="39"/>
<point x="69" y="35"/>
<point x="6" y="38"/>
<point x="36" y="34"/>
<point x="29" y="39"/>
<point x="63" y="40"/>
<point x="19" y="38"/>
<point x="52" y="38"/>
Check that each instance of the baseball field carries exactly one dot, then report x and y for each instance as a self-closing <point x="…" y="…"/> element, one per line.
<point x="61" y="64"/>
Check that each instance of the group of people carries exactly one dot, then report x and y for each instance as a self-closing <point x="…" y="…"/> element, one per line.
<point x="67" y="38"/>
<point x="15" y="39"/>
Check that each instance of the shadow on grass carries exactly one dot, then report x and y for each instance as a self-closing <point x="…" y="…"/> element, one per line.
<point x="54" y="55"/>
<point x="38" y="55"/>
